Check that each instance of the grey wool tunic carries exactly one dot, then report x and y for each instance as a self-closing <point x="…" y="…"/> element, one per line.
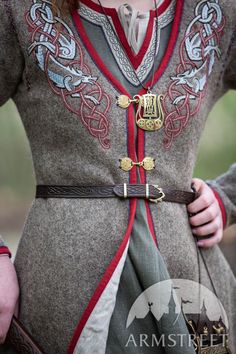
<point x="90" y="270"/>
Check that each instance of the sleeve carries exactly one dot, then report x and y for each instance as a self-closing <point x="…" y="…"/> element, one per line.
<point x="11" y="66"/>
<point x="229" y="65"/>
<point x="11" y="57"/>
<point x="3" y="248"/>
<point x="224" y="188"/>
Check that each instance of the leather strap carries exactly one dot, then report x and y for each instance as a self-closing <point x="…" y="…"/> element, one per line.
<point x="20" y="340"/>
<point x="145" y="191"/>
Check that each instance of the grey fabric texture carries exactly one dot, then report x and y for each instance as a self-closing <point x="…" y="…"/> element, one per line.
<point x="12" y="59"/>
<point x="103" y="47"/>
<point x="225" y="185"/>
<point x="144" y="267"/>
<point x="66" y="245"/>
<point x="229" y="72"/>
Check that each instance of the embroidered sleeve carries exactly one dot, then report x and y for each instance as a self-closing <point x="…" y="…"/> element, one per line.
<point x="224" y="185"/>
<point x="11" y="58"/>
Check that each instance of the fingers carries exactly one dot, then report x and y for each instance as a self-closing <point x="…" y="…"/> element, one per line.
<point x="205" y="199"/>
<point x="207" y="229"/>
<point x="198" y="184"/>
<point x="215" y="239"/>
<point x="205" y="216"/>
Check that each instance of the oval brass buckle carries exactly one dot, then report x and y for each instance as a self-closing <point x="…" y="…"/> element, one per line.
<point x="160" y="190"/>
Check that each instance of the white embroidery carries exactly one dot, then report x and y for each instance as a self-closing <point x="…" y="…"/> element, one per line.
<point x="60" y="56"/>
<point x="208" y="19"/>
<point x="198" y="52"/>
<point x="65" y="77"/>
<point x="120" y="56"/>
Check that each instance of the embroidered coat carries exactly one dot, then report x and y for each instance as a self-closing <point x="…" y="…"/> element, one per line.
<point x="82" y="263"/>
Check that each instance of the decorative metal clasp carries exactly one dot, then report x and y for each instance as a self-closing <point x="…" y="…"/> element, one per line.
<point x="126" y="164"/>
<point x="150" y="114"/>
<point x="159" y="199"/>
<point x="124" y="101"/>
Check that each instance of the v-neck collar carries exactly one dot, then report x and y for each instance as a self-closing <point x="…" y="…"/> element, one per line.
<point x="98" y="60"/>
<point x="135" y="59"/>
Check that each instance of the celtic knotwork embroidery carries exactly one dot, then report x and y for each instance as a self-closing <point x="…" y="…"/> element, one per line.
<point x="60" y="56"/>
<point x="198" y="53"/>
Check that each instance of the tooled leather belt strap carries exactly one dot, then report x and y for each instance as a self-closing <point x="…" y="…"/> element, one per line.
<point x="146" y="191"/>
<point x="20" y="340"/>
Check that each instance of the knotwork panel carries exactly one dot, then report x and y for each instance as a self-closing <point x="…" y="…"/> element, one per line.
<point x="198" y="52"/>
<point x="60" y="56"/>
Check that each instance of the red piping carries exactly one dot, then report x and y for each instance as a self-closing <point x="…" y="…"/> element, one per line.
<point x="159" y="72"/>
<point x="104" y="281"/>
<point x="222" y="207"/>
<point x="131" y="146"/>
<point x="135" y="59"/>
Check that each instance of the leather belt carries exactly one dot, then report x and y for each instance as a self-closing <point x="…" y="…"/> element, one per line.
<point x="150" y="192"/>
<point x="20" y="340"/>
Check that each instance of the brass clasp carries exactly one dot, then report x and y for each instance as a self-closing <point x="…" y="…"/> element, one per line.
<point x="160" y="190"/>
<point x="126" y="164"/>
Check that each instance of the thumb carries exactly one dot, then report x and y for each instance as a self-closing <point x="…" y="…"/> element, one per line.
<point x="197" y="184"/>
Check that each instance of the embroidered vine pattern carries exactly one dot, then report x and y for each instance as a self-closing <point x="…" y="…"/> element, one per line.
<point x="199" y="50"/>
<point x="60" y="56"/>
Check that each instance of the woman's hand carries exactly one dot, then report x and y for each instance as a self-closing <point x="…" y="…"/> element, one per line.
<point x="9" y="294"/>
<point x="208" y="221"/>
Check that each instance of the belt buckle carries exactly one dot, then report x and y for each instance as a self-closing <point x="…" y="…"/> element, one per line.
<point x="160" y="190"/>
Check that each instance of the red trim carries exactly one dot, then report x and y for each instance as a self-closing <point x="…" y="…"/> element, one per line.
<point x="114" y="262"/>
<point x="104" y="281"/>
<point x="170" y="47"/>
<point x="164" y="62"/>
<point x="111" y="10"/>
<point x="131" y="149"/>
<point x="5" y="250"/>
<point x="135" y="59"/>
<point x="159" y="72"/>
<point x="222" y="207"/>
<point x="92" y="51"/>
<point x="131" y="152"/>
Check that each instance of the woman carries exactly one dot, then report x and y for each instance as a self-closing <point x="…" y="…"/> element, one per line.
<point x="106" y="94"/>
